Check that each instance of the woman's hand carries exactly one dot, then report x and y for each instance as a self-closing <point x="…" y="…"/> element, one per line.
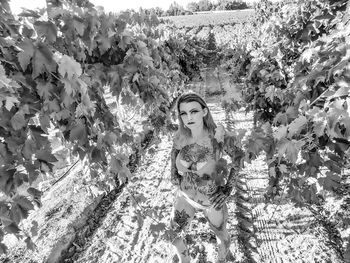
<point x="220" y="196"/>
<point x="175" y="177"/>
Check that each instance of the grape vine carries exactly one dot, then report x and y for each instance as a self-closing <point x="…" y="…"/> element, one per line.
<point x="297" y="83"/>
<point x="57" y="67"/>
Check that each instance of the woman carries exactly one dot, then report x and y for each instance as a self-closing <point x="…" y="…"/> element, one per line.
<point x="199" y="172"/>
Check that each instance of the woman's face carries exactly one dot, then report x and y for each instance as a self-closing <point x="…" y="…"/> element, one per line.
<point x="192" y="114"/>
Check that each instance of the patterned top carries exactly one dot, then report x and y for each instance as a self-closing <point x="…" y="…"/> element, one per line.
<point x="194" y="157"/>
<point x="198" y="168"/>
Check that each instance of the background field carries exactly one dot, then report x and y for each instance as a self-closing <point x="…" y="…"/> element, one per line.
<point x="213" y="18"/>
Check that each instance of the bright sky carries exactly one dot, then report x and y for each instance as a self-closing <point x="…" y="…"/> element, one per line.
<point x="109" y="5"/>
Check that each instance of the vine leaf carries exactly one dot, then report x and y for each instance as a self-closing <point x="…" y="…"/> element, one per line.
<point x="97" y="155"/>
<point x="45" y="155"/>
<point x="87" y="107"/>
<point x="124" y="174"/>
<point x="142" y="47"/>
<point x="290" y="148"/>
<point x="4" y="80"/>
<point x="319" y="127"/>
<point x="46" y="29"/>
<point x="138" y="199"/>
<point x="281" y="118"/>
<point x="125" y="40"/>
<point x="280" y="133"/>
<point x="283" y="168"/>
<point x="104" y="44"/>
<point x="34" y="228"/>
<point x="115" y="165"/>
<point x="270" y="92"/>
<point x="53" y="105"/>
<point x="296" y="126"/>
<point x="259" y="142"/>
<point x="10" y="102"/>
<point x="19" y="178"/>
<point x="18" y="121"/>
<point x="115" y="80"/>
<point x="79" y="25"/>
<point x="3" y="249"/>
<point x="68" y="87"/>
<point x="319" y="119"/>
<point x="68" y="66"/>
<point x="110" y="138"/>
<point x="78" y="132"/>
<point x="20" y="211"/>
<point x="5" y="216"/>
<point x="30" y="244"/>
<point x="310" y="194"/>
<point x="331" y="181"/>
<point x="37" y="135"/>
<point x="26" y="54"/>
<point x="44" y="89"/>
<point x="42" y="60"/>
<point x="12" y="228"/>
<point x="3" y="151"/>
<point x="33" y="171"/>
<point x="34" y="192"/>
<point x="23" y="202"/>
<point x="158" y="228"/>
<point x="342" y="91"/>
<point x="68" y="100"/>
<point x="44" y="121"/>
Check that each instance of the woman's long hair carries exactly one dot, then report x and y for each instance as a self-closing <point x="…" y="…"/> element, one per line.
<point x="208" y="121"/>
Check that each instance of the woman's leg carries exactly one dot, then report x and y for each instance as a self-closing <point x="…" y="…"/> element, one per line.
<point x="217" y="220"/>
<point x="181" y="218"/>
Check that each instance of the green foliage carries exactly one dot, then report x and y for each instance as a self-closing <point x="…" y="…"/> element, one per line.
<point x="296" y="77"/>
<point x="54" y="70"/>
<point x="265" y="9"/>
<point x="175" y="9"/>
<point x="211" y="41"/>
<point x="297" y="83"/>
<point x="230" y="5"/>
<point x="205" y="5"/>
<point x="193" y="6"/>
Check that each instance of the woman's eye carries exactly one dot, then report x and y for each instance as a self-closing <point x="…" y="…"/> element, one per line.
<point x="182" y="114"/>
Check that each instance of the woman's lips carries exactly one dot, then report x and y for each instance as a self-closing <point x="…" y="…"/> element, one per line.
<point x="190" y="123"/>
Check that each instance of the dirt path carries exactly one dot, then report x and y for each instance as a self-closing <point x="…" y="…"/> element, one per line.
<point x="128" y="233"/>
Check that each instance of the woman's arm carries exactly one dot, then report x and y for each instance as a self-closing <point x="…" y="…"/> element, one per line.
<point x="175" y="177"/>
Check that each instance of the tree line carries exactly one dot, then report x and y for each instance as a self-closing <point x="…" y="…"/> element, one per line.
<point x="176" y="9"/>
